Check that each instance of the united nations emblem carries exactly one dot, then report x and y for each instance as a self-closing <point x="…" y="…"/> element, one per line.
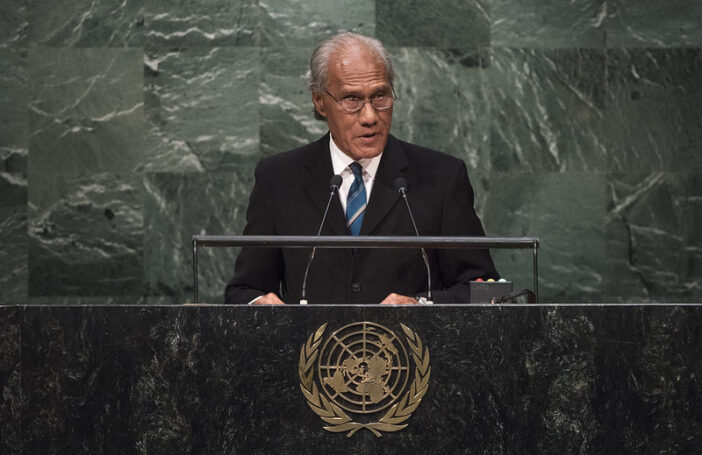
<point x="363" y="370"/>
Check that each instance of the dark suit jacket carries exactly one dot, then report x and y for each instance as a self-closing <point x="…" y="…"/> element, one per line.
<point x="289" y="197"/>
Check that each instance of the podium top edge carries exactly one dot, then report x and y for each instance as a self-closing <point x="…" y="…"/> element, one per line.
<point x="337" y="306"/>
<point x="292" y="241"/>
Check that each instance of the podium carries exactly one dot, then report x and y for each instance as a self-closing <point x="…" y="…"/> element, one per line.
<point x="227" y="379"/>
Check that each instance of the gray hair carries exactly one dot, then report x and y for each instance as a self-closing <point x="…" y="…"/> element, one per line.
<point x="319" y="62"/>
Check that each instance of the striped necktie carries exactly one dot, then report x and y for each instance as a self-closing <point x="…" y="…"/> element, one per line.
<point x="356" y="201"/>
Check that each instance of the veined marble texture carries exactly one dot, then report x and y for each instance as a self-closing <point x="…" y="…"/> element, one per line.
<point x="653" y="109"/>
<point x="86" y="23"/>
<point x="224" y="379"/>
<point x="201" y="108"/>
<point x="304" y="23"/>
<point x="88" y="241"/>
<point x="10" y="381"/>
<point x="566" y="211"/>
<point x="442" y="101"/>
<point x="442" y="24"/>
<point x="86" y="137"/>
<point x="275" y="23"/>
<point x="176" y="206"/>
<point x="13" y="232"/>
<point x="547" y="110"/>
<point x="86" y="112"/>
<point x="209" y="23"/>
<point x="652" y="23"/>
<point x="654" y="236"/>
<point x="13" y="115"/>
<point x="13" y="23"/>
<point x="152" y="107"/>
<point x="595" y="23"/>
<point x="286" y="109"/>
<point x="548" y="23"/>
<point x="502" y="201"/>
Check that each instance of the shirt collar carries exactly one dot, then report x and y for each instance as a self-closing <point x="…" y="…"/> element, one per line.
<point x="341" y="161"/>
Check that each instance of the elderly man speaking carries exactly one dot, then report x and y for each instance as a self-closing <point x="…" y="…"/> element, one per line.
<point x="351" y="79"/>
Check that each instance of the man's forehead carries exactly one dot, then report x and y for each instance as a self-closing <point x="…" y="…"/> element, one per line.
<point x="353" y="65"/>
<point x="353" y="53"/>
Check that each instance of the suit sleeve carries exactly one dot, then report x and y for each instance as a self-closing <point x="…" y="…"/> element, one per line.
<point x="257" y="271"/>
<point x="458" y="267"/>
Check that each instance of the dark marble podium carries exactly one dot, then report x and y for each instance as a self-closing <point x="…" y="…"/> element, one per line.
<point x="224" y="379"/>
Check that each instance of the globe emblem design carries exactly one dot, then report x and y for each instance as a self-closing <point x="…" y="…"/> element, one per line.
<point x="363" y="367"/>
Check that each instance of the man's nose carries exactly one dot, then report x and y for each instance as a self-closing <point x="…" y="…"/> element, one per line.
<point x="369" y="115"/>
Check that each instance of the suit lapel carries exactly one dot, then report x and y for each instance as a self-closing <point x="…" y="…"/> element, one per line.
<point x="384" y="196"/>
<point x="318" y="173"/>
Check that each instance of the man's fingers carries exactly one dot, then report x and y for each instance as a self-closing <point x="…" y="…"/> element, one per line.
<point x="391" y="299"/>
<point x="397" y="299"/>
<point x="269" y="299"/>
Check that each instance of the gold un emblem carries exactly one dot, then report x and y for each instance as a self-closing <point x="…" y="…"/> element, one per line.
<point x="363" y="372"/>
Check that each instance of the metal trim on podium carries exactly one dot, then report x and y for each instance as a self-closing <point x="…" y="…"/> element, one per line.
<point x="309" y="241"/>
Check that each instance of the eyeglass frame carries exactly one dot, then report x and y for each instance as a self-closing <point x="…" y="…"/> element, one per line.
<point x="365" y="101"/>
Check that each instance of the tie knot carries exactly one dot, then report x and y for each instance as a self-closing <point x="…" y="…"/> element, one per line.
<point x="356" y="169"/>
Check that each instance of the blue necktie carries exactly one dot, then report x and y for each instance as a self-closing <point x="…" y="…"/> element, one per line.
<point x="356" y="201"/>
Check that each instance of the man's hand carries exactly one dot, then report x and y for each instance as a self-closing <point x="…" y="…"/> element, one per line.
<point x="397" y="299"/>
<point x="269" y="299"/>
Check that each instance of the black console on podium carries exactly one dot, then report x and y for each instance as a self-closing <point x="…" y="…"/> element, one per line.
<point x="351" y="379"/>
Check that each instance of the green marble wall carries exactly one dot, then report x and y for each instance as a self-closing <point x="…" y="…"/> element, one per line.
<point x="127" y="126"/>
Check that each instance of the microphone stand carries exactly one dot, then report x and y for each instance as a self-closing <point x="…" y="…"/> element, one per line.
<point x="401" y="186"/>
<point x="333" y="188"/>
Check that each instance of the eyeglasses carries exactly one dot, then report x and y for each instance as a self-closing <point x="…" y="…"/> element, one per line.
<point x="352" y="104"/>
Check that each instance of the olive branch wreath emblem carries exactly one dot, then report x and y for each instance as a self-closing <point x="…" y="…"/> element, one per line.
<point x="338" y="420"/>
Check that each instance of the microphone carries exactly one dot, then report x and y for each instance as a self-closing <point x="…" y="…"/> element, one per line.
<point x="401" y="187"/>
<point x="334" y="185"/>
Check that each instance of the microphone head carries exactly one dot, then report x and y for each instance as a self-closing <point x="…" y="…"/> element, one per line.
<point x="335" y="182"/>
<point x="401" y="184"/>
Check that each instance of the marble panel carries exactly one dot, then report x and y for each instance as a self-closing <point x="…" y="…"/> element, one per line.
<point x="201" y="108"/>
<point x="85" y="111"/>
<point x="443" y="24"/>
<point x="135" y="380"/>
<point x="221" y="379"/>
<point x="504" y="202"/>
<point x="654" y="237"/>
<point x="636" y="398"/>
<point x="651" y="23"/>
<point x="208" y="23"/>
<point x="566" y="211"/>
<point x="653" y="110"/>
<point x="177" y="206"/>
<point x="92" y="358"/>
<point x="14" y="23"/>
<point x="13" y="115"/>
<point x="86" y="23"/>
<point x="304" y="23"/>
<point x="558" y="368"/>
<point x="85" y="239"/>
<point x="442" y="102"/>
<point x="11" y="399"/>
<point x="547" y="110"/>
<point x="548" y="23"/>
<point x="285" y="101"/>
<point x="13" y="231"/>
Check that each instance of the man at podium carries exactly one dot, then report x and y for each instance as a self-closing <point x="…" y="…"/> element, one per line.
<point x="351" y="79"/>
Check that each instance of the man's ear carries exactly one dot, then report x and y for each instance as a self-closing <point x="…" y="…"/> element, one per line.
<point x="318" y="100"/>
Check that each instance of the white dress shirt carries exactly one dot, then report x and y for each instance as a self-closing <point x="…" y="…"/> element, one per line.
<point x="340" y="164"/>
